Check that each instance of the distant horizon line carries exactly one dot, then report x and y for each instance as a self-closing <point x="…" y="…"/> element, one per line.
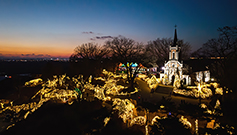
<point x="33" y="58"/>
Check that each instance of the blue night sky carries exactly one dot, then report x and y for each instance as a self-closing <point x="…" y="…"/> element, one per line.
<point x="40" y="28"/>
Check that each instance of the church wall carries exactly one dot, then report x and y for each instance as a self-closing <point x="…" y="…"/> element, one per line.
<point x="187" y="79"/>
<point x="203" y="76"/>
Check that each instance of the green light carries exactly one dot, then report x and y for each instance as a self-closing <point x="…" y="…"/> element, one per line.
<point x="78" y="91"/>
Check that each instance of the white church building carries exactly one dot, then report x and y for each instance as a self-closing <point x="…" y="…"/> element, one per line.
<point x="174" y="67"/>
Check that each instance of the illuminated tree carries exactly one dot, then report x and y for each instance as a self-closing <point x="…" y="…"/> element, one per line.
<point x="127" y="51"/>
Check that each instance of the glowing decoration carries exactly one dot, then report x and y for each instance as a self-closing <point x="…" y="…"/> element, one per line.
<point x="211" y="124"/>
<point x="155" y="119"/>
<point x="33" y="82"/>
<point x="140" y="120"/>
<point x="48" y="92"/>
<point x="152" y="82"/>
<point x="90" y="78"/>
<point x="125" y="108"/>
<point x="129" y="64"/>
<point x="106" y="120"/>
<point x="203" y="106"/>
<point x="25" y="116"/>
<point x="165" y="80"/>
<point x="100" y="78"/>
<point x="10" y="126"/>
<point x="219" y="91"/>
<point x="142" y="76"/>
<point x="146" y="128"/>
<point x="110" y="87"/>
<point x="120" y="64"/>
<point x="196" y="127"/>
<point x="107" y="98"/>
<point x="99" y="92"/>
<point x="196" y="91"/>
<point x="162" y="106"/>
<point x="216" y="85"/>
<point x="185" y="122"/>
<point x="57" y="89"/>
<point x="217" y="104"/>
<point x="134" y="65"/>
<point x="78" y="91"/>
<point x="177" y="81"/>
<point x="214" y="112"/>
<point x="11" y="103"/>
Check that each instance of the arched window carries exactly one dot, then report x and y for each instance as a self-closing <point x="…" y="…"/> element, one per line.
<point x="173" y="55"/>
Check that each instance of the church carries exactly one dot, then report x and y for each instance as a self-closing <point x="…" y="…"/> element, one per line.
<point x="173" y="68"/>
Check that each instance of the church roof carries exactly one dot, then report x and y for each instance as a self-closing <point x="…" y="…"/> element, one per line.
<point x="199" y="64"/>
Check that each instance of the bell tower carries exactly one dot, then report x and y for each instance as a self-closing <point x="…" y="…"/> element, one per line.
<point x="174" y="48"/>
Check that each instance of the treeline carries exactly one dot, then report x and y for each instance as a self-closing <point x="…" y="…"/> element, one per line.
<point x="156" y="52"/>
<point x="224" y="47"/>
<point x="122" y="49"/>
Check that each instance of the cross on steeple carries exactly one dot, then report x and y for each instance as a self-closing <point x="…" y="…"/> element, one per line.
<point x="175" y="26"/>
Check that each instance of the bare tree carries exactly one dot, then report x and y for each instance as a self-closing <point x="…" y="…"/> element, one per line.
<point x="87" y="59"/>
<point x="185" y="50"/>
<point x="158" y="50"/>
<point x="89" y="51"/>
<point x="224" y="47"/>
<point x="126" y="50"/>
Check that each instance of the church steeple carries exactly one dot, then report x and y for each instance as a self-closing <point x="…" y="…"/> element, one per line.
<point x="175" y="37"/>
<point x="174" y="48"/>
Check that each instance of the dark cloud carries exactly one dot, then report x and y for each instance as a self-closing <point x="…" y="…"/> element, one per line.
<point x="28" y="54"/>
<point x="36" y="55"/>
<point x="104" y="37"/>
<point x="101" y="37"/>
<point x="85" y="32"/>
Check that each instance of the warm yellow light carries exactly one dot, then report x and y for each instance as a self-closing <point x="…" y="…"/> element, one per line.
<point x="185" y="122"/>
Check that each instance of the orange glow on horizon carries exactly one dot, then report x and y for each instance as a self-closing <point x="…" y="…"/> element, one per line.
<point x="27" y="47"/>
<point x="24" y="51"/>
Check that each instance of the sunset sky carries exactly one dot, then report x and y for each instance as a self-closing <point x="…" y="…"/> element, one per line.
<point x="53" y="28"/>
